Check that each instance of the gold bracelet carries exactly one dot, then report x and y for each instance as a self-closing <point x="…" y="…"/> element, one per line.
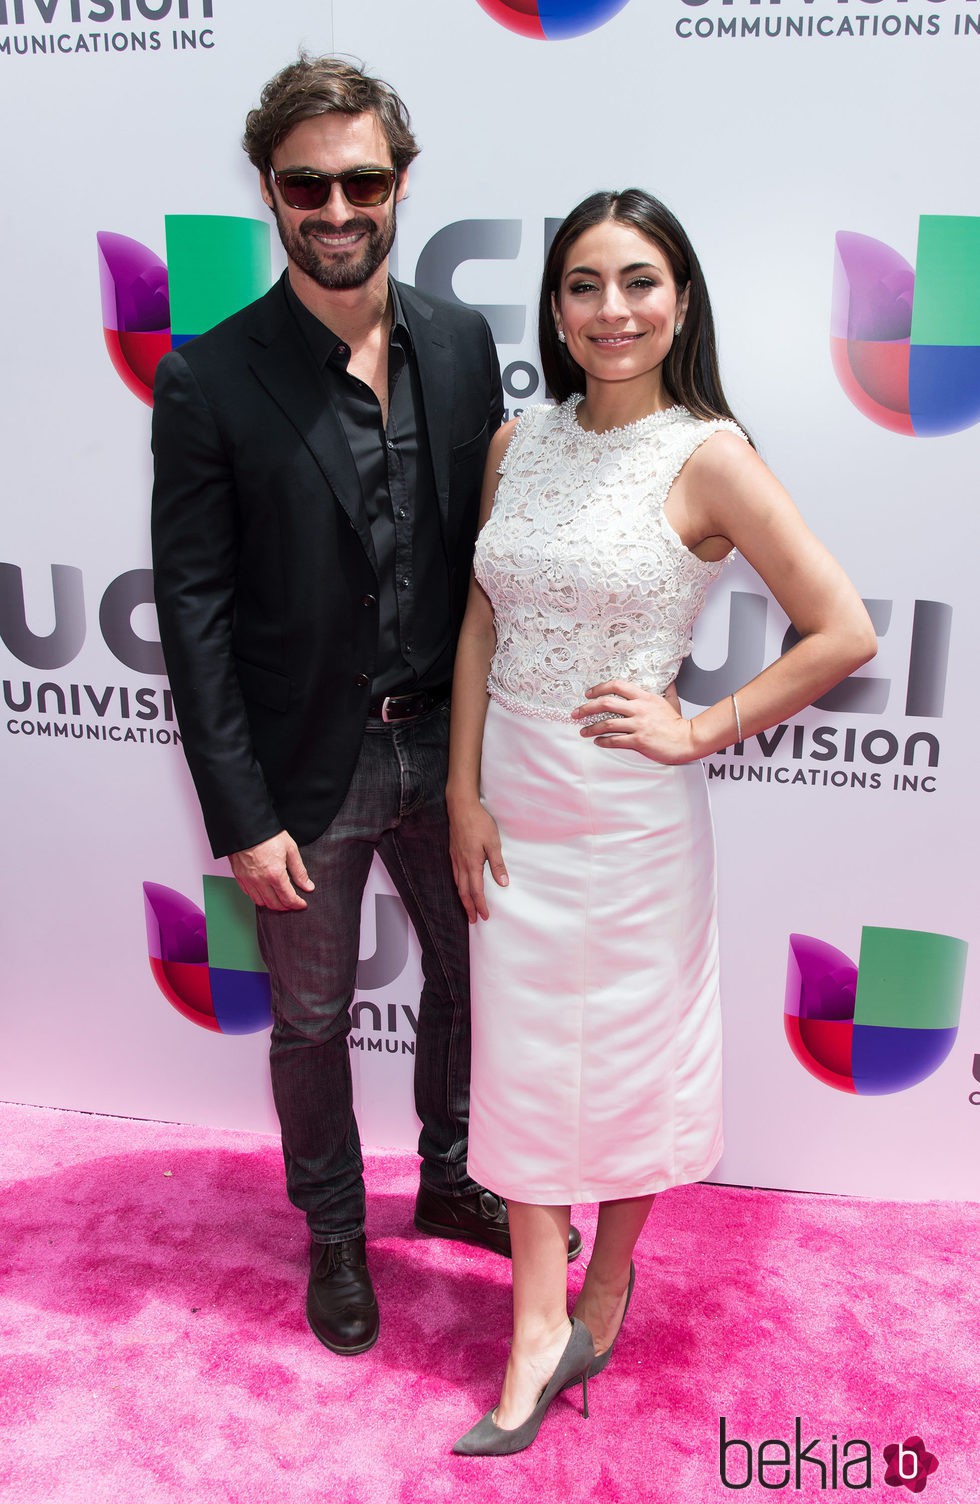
<point x="738" y="718"/>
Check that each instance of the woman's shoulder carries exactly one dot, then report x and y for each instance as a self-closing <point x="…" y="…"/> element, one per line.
<point x="704" y="428"/>
<point x="720" y="457"/>
<point x="714" y="444"/>
<point x="513" y="436"/>
<point x="546" y="414"/>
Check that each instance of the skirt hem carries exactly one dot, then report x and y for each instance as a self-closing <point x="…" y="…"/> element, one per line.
<point x="591" y="1194"/>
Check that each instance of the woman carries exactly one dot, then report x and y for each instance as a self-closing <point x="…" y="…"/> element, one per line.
<point x="596" y="1033"/>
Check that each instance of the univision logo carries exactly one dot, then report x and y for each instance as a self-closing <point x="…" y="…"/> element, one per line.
<point x="206" y="962"/>
<point x="880" y="1026"/>
<point x="906" y="343"/>
<point x="552" y="20"/>
<point x="215" y="265"/>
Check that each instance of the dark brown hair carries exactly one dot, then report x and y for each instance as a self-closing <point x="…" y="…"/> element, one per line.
<point x="690" y="369"/>
<point x="325" y="86"/>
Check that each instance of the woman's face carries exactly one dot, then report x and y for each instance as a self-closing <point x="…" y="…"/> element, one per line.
<point x="618" y="304"/>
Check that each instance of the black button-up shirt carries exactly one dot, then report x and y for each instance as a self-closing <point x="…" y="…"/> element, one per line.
<point x="398" y="493"/>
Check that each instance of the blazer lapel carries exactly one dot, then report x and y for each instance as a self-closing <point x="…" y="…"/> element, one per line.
<point x="433" y="352"/>
<point x="283" y="364"/>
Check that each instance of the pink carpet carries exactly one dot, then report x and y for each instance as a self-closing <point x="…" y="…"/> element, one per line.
<point x="154" y="1347"/>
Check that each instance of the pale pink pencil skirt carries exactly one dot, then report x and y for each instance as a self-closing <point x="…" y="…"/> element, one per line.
<point x="596" y="1020"/>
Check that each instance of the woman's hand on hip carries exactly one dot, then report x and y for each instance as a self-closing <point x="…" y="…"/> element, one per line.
<point x="638" y="720"/>
<point x="474" y="841"/>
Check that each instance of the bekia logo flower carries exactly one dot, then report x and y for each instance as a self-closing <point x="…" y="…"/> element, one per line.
<point x="908" y="1462"/>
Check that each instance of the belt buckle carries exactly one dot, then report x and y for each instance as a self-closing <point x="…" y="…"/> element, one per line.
<point x="390" y="700"/>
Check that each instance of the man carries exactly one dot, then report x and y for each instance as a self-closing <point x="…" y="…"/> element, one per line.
<point x="318" y="464"/>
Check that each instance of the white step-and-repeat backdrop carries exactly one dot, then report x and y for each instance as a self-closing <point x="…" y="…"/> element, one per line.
<point x="821" y="154"/>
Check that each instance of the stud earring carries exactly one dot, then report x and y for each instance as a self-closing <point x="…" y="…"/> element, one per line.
<point x="677" y="329"/>
<point x="561" y="335"/>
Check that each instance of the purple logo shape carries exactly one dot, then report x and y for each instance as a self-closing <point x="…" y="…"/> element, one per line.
<point x="135" y="309"/>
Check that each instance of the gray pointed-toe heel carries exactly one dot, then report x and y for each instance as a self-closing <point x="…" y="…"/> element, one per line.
<point x="487" y="1439"/>
<point x="599" y="1363"/>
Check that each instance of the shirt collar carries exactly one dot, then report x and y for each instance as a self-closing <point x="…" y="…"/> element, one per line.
<point x="329" y="347"/>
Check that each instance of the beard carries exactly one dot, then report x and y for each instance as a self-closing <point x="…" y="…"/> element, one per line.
<point x="332" y="270"/>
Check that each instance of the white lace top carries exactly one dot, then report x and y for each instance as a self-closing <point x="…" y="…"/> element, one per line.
<point x="587" y="578"/>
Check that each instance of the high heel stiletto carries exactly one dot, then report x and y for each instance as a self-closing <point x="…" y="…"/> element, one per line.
<point x="599" y="1363"/>
<point x="487" y="1439"/>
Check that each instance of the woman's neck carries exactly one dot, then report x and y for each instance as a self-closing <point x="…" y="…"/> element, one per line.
<point x="614" y="404"/>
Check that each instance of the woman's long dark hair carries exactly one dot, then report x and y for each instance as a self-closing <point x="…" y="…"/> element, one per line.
<point x="690" y="369"/>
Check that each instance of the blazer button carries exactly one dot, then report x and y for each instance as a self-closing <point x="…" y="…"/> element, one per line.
<point x="368" y="600"/>
<point x="362" y="681"/>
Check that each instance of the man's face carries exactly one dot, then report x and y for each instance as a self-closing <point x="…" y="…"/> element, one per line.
<point x="338" y="246"/>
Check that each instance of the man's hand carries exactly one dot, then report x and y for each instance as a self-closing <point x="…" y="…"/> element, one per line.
<point x="263" y="872"/>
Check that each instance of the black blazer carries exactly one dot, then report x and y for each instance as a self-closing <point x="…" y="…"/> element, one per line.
<point x="264" y="573"/>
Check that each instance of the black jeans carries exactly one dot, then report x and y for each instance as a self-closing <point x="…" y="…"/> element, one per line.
<point x="395" y="806"/>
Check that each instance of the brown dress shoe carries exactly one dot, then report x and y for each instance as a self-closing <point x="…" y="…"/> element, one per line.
<point x="480" y="1218"/>
<point x="340" y="1303"/>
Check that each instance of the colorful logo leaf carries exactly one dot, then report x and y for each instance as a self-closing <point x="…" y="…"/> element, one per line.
<point x="906" y="344"/>
<point x="207" y="963"/>
<point x="215" y="265"/>
<point x="552" y="20"/>
<point x="880" y="1026"/>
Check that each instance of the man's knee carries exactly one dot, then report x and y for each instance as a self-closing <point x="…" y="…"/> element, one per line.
<point x="310" y="1023"/>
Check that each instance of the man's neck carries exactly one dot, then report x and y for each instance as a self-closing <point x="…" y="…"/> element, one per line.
<point x="354" y="314"/>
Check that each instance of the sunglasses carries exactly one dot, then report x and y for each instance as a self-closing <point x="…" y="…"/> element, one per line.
<point x="363" y="187"/>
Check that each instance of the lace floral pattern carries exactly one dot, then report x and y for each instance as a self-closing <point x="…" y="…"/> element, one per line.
<point x="587" y="578"/>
